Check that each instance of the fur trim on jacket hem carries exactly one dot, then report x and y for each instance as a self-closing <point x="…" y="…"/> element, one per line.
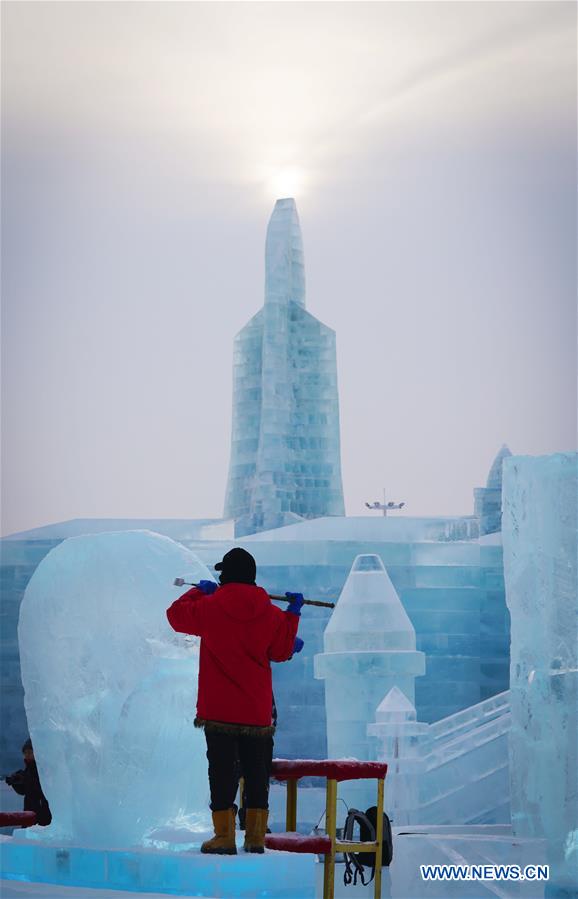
<point x="225" y="727"/>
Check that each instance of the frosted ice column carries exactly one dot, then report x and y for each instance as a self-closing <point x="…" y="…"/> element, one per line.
<point x="540" y="547"/>
<point x="110" y="689"/>
<point x="285" y="446"/>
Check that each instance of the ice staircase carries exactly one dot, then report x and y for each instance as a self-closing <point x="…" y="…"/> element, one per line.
<point x="466" y="775"/>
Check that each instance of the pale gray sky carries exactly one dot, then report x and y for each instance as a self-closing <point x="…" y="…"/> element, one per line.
<point x="432" y="149"/>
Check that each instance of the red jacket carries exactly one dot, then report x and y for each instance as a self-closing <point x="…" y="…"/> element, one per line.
<point x="241" y="632"/>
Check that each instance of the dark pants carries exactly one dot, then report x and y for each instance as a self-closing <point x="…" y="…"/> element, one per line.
<point x="228" y="754"/>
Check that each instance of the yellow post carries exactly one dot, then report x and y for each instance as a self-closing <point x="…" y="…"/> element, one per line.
<point x="291" y="816"/>
<point x="378" y="840"/>
<point x="330" y="827"/>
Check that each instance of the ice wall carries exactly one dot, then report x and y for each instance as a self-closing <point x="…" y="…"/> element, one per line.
<point x="540" y="548"/>
<point x="452" y="592"/>
<point x="110" y="690"/>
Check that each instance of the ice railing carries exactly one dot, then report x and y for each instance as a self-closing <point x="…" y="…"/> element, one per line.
<point x="466" y="730"/>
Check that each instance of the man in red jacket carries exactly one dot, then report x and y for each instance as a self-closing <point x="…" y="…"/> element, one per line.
<point x="241" y="633"/>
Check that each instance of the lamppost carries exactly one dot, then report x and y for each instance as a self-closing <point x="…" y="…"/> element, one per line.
<point x="385" y="506"/>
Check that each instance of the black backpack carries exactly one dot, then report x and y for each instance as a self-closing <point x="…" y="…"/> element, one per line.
<point x="356" y="861"/>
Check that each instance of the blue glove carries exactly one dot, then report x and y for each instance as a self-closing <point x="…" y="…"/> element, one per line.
<point x="207" y="587"/>
<point x="298" y="645"/>
<point x="296" y="602"/>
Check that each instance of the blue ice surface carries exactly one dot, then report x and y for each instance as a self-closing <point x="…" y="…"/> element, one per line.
<point x="452" y="591"/>
<point x="540" y="555"/>
<point x="279" y="874"/>
<point x="285" y="444"/>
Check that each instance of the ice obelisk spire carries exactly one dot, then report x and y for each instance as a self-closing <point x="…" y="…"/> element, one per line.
<point x="285" y="453"/>
<point x="284" y="263"/>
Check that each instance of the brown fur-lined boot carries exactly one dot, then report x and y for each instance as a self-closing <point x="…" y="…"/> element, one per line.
<point x="255" y="829"/>
<point x="223" y="843"/>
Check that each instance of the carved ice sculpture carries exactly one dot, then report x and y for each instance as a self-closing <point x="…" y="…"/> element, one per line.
<point x="110" y="690"/>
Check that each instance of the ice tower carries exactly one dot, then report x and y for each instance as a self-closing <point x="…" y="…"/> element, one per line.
<point x="285" y="455"/>
<point x="369" y="648"/>
<point x="488" y="499"/>
<point x="401" y="744"/>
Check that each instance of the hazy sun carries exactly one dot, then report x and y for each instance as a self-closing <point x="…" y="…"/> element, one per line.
<point x="286" y="182"/>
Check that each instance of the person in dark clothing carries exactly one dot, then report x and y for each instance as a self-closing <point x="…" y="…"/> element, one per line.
<point x="241" y="632"/>
<point x="297" y="647"/>
<point x="27" y="783"/>
<point x="239" y="769"/>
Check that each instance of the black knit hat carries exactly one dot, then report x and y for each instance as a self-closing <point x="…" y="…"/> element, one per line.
<point x="27" y="745"/>
<point x="237" y="566"/>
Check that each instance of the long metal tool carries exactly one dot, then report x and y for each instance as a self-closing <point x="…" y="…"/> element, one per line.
<point x="179" y="582"/>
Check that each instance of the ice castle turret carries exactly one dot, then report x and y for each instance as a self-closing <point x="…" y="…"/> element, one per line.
<point x="285" y="453"/>
<point x="369" y="648"/>
<point x="488" y="499"/>
<point x="402" y="745"/>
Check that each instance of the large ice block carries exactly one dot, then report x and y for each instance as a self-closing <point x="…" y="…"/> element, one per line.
<point x="285" y="447"/>
<point x="540" y="548"/>
<point x="473" y="847"/>
<point x="110" y="690"/>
